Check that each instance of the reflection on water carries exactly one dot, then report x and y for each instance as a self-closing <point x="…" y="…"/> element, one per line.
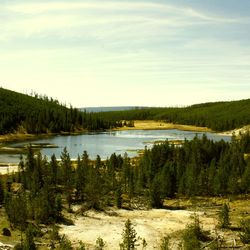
<point x="106" y="143"/>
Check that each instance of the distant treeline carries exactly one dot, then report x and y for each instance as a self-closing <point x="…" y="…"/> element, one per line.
<point x="41" y="114"/>
<point x="219" y="116"/>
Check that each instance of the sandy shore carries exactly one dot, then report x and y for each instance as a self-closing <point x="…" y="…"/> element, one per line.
<point x="155" y="125"/>
<point x="237" y="131"/>
<point x="8" y="168"/>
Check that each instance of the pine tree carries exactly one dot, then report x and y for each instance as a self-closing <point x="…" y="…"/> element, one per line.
<point x="29" y="243"/>
<point x="128" y="237"/>
<point x="1" y="191"/>
<point x="224" y="220"/>
<point x="67" y="176"/>
<point x="155" y="193"/>
<point x="118" y="196"/>
<point x="165" y="243"/>
<point x="81" y="179"/>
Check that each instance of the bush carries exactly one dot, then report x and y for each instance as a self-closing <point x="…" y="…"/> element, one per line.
<point x="193" y="235"/>
<point x="18" y="246"/>
<point x="29" y="243"/>
<point x="245" y="228"/>
<point x="81" y="246"/>
<point x="99" y="244"/>
<point x="165" y="243"/>
<point x="128" y="237"/>
<point x="65" y="244"/>
<point x="224" y="220"/>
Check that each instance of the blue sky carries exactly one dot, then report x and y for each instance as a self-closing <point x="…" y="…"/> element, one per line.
<point x="109" y="53"/>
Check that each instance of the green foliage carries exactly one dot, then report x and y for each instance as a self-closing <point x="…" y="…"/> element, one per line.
<point x="144" y="243"/>
<point x="155" y="193"/>
<point x="100" y="244"/>
<point x="193" y="235"/>
<point x="65" y="244"/>
<point x="198" y="167"/>
<point x="40" y="114"/>
<point x="67" y="176"/>
<point x="81" y="246"/>
<point x="245" y="231"/>
<point x="54" y="236"/>
<point x="18" y="246"/>
<point x="165" y="243"/>
<point x="128" y="237"/>
<point x="1" y="191"/>
<point x="118" y="197"/>
<point x="16" y="209"/>
<point x="29" y="243"/>
<point x="218" y="116"/>
<point x="224" y="220"/>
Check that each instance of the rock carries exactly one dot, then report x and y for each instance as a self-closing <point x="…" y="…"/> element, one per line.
<point x="6" y="232"/>
<point x="5" y="246"/>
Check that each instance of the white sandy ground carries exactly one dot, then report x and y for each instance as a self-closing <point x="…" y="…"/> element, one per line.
<point x="149" y="224"/>
<point x="237" y="131"/>
<point x="8" y="168"/>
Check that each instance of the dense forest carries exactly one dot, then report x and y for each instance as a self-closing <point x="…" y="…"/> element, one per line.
<point x="199" y="167"/>
<point x="219" y="116"/>
<point x="41" y="114"/>
<point x="42" y="188"/>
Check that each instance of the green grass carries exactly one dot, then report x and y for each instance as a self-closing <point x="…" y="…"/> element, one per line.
<point x="15" y="234"/>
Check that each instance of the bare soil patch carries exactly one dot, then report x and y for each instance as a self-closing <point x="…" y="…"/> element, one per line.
<point x="149" y="224"/>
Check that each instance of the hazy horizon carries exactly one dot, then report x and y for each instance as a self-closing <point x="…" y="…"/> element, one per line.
<point x="127" y="53"/>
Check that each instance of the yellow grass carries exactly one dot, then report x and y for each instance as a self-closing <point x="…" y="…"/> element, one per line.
<point x="150" y="124"/>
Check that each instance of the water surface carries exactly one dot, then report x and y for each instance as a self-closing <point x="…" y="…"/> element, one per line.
<point x="106" y="143"/>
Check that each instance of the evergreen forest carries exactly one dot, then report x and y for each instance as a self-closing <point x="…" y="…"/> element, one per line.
<point x="38" y="114"/>
<point x="219" y="116"/>
<point x="200" y="167"/>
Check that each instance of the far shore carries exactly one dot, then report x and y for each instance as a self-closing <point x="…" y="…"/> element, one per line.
<point x="158" y="125"/>
<point x="138" y="125"/>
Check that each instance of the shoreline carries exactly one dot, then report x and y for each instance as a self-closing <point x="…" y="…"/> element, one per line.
<point x="138" y="125"/>
<point x="161" y="125"/>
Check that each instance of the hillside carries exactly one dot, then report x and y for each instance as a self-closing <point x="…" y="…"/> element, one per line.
<point x="40" y="114"/>
<point x="219" y="116"/>
<point x="107" y="109"/>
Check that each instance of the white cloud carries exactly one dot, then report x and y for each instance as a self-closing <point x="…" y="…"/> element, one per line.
<point x="34" y="18"/>
<point x="120" y="45"/>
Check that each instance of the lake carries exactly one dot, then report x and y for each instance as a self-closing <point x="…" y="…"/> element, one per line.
<point x="106" y="143"/>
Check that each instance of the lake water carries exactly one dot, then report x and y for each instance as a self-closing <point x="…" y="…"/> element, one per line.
<point x="106" y="143"/>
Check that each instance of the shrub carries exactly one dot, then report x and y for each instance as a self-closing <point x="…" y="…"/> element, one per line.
<point x="245" y="228"/>
<point x="128" y="237"/>
<point x="99" y="244"/>
<point x="224" y="220"/>
<point x="165" y="243"/>
<point x="193" y="235"/>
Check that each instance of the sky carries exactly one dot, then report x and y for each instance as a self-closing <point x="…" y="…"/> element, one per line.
<point x="127" y="52"/>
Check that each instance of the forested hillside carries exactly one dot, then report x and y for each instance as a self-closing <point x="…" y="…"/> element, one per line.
<point x="199" y="167"/>
<point x="40" y="114"/>
<point x="219" y="116"/>
<point x="42" y="189"/>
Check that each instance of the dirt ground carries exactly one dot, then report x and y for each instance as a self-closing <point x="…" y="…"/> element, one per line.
<point x="149" y="224"/>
